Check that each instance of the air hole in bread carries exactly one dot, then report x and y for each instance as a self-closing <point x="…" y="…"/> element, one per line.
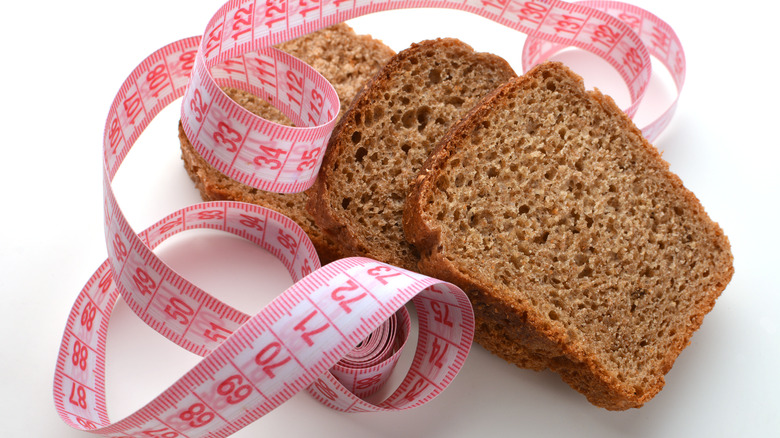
<point x="523" y="209"/>
<point x="408" y="118"/>
<point x="379" y="111"/>
<point x="356" y="138"/>
<point x="474" y="217"/>
<point x="434" y="76"/>
<point x="455" y="101"/>
<point x="345" y="203"/>
<point x="360" y="152"/>
<point x="423" y="113"/>
<point x="542" y="238"/>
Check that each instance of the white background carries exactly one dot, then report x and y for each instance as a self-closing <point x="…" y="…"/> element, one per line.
<point x="63" y="62"/>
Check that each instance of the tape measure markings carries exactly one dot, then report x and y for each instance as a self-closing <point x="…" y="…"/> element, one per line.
<point x="254" y="363"/>
<point x="534" y="12"/>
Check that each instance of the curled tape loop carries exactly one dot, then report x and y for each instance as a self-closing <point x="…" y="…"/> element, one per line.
<point x="338" y="331"/>
<point x="655" y="34"/>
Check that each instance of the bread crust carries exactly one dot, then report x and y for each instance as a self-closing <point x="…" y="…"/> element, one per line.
<point x="324" y="200"/>
<point x="513" y="328"/>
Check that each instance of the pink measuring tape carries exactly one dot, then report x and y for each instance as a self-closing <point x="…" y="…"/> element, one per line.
<point x="339" y="330"/>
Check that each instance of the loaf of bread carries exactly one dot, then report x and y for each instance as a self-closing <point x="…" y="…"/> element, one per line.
<point x="385" y="136"/>
<point x="347" y="60"/>
<point x="579" y="249"/>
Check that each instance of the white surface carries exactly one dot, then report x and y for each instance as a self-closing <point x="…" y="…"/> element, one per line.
<point x="63" y="63"/>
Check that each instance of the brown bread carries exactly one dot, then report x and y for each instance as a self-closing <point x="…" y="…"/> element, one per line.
<point x="386" y="135"/>
<point x="580" y="250"/>
<point x="347" y="60"/>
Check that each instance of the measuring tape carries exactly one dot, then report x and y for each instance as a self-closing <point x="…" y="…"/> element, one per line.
<point x="339" y="330"/>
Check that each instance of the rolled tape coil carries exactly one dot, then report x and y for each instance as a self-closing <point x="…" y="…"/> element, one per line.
<point x="339" y="330"/>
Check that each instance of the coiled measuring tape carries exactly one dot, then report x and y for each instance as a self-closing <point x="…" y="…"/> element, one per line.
<point x="338" y="331"/>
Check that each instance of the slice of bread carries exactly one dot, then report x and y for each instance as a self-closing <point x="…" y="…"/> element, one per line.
<point x="347" y="60"/>
<point x="386" y="135"/>
<point x="580" y="250"/>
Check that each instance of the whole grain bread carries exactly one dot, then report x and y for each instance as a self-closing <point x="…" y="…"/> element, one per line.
<point x="347" y="60"/>
<point x="383" y="139"/>
<point x="580" y="250"/>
